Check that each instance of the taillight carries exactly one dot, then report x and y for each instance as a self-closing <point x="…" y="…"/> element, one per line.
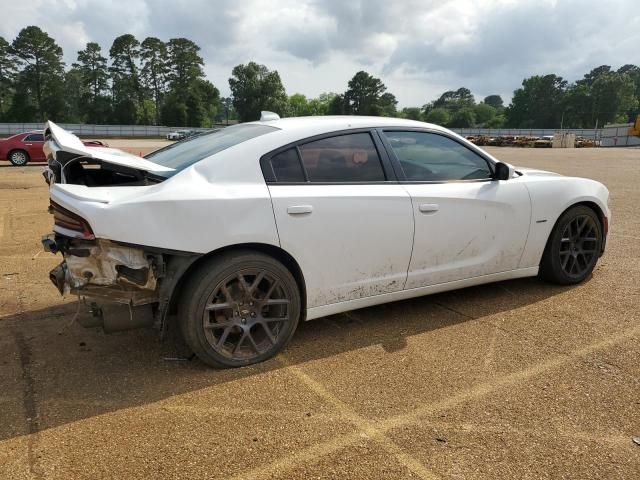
<point x="70" y="224"/>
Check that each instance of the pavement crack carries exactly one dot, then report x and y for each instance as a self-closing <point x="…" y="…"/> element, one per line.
<point x="29" y="402"/>
<point x="457" y="312"/>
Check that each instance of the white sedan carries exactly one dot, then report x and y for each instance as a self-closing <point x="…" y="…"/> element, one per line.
<point x="235" y="236"/>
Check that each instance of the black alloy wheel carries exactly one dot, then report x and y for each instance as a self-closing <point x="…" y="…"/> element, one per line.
<point x="573" y="247"/>
<point x="239" y="309"/>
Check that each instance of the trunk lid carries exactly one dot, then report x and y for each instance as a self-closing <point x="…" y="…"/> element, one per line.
<point x="65" y="152"/>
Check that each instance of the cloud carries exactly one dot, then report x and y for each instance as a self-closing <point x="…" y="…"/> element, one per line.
<point x="418" y="47"/>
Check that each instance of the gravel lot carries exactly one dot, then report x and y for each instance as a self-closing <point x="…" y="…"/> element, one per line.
<point x="517" y="379"/>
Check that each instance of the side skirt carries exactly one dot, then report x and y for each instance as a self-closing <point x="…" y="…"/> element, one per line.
<point x="331" y="309"/>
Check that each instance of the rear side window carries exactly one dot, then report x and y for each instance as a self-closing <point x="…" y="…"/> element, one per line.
<point x="182" y="154"/>
<point x="343" y="158"/>
<point x="35" y="137"/>
<point x="286" y="166"/>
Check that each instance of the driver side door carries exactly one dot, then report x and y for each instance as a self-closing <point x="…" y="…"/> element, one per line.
<point x="466" y="223"/>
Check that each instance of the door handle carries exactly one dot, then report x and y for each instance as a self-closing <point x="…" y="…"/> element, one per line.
<point x="29" y="144"/>
<point x="428" y="207"/>
<point x="299" y="209"/>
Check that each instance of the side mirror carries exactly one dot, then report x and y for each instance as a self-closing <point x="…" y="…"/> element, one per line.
<point x="503" y="171"/>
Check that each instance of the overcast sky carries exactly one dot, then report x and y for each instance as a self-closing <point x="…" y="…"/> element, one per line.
<point x="419" y="48"/>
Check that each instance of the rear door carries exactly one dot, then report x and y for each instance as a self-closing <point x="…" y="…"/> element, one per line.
<point x="466" y="223"/>
<point x="342" y="215"/>
<point x="33" y="144"/>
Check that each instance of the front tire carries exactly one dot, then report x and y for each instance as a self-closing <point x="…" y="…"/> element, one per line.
<point x="238" y="309"/>
<point x="573" y="247"/>
<point x="19" y="158"/>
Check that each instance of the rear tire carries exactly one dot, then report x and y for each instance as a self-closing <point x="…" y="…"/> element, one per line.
<point x="238" y="309"/>
<point x="18" y="158"/>
<point x="573" y="247"/>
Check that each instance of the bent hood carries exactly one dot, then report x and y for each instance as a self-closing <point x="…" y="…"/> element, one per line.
<point x="58" y="139"/>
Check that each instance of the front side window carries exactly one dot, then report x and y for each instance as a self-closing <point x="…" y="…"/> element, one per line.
<point x="429" y="157"/>
<point x="34" y="137"/>
<point x="344" y="158"/>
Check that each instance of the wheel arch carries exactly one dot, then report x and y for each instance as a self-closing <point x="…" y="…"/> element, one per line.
<point x="593" y="206"/>
<point x="586" y="203"/>
<point x="273" y="251"/>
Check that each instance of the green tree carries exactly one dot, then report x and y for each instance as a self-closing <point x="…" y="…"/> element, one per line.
<point x="494" y="101"/>
<point x="602" y="96"/>
<point x="338" y="106"/>
<point x="42" y="74"/>
<point x="498" y="121"/>
<point x="454" y="100"/>
<point x="153" y="52"/>
<point x="8" y="71"/>
<point x="538" y="103"/>
<point x="484" y="114"/>
<point x="463" y="118"/>
<point x="412" y="113"/>
<point x="94" y="74"/>
<point x="226" y="112"/>
<point x="202" y="103"/>
<point x="256" y="88"/>
<point x="387" y="105"/>
<point x="438" y="116"/>
<point x="612" y="95"/>
<point x="76" y="95"/>
<point x="322" y="104"/>
<point x="125" y="73"/>
<point x="634" y="73"/>
<point x="298" y="106"/>
<point x="364" y="95"/>
<point x="192" y="100"/>
<point x="185" y="64"/>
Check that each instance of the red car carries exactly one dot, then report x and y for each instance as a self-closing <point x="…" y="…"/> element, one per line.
<point x="27" y="147"/>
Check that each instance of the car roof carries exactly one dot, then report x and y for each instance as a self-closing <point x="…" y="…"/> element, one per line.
<point x="27" y="133"/>
<point x="343" y="122"/>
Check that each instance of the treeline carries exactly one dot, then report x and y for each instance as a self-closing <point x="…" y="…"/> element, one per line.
<point x="157" y="82"/>
<point x="148" y="82"/>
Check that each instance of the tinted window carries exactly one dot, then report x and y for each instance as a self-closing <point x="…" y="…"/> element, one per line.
<point x="182" y="154"/>
<point x="344" y="158"/>
<point x="35" y="137"/>
<point x="286" y="166"/>
<point x="432" y="157"/>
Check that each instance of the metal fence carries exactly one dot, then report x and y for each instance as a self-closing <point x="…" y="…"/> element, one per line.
<point x="614" y="135"/>
<point x="528" y="132"/>
<point x="98" y="131"/>
<point x="618" y="136"/>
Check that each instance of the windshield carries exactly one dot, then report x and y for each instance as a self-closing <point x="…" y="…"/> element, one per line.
<point x="181" y="154"/>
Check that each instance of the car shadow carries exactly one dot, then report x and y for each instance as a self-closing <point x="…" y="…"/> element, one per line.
<point x="63" y="372"/>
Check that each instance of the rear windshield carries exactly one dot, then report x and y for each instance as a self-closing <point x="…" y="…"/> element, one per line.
<point x="181" y="154"/>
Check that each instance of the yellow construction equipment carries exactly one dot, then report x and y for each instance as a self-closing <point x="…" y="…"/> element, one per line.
<point x="634" y="131"/>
